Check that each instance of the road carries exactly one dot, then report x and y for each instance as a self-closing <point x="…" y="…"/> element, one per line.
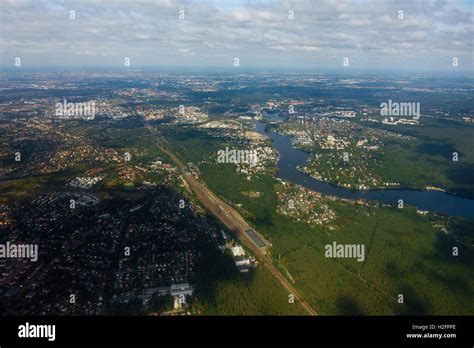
<point x="234" y="222"/>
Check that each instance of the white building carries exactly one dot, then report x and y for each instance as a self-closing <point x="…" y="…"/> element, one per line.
<point x="238" y="251"/>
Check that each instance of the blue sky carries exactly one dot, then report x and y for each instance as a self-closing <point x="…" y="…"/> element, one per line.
<point x="260" y="33"/>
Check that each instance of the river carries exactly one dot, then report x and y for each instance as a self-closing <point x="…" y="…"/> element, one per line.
<point x="291" y="158"/>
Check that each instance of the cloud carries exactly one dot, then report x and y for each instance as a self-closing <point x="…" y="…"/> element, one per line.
<point x="261" y="32"/>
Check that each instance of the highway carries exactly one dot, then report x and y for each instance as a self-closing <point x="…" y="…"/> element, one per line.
<point x="233" y="221"/>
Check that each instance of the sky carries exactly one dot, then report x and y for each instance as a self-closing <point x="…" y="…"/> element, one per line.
<point x="299" y="34"/>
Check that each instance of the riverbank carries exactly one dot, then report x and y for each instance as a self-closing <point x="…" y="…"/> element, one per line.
<point x="290" y="158"/>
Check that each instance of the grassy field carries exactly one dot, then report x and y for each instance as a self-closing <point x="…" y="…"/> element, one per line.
<point x="405" y="253"/>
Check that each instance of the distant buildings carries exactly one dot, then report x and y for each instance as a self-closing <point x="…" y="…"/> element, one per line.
<point x="393" y="121"/>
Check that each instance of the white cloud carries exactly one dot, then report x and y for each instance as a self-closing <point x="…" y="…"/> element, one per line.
<point x="260" y="31"/>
